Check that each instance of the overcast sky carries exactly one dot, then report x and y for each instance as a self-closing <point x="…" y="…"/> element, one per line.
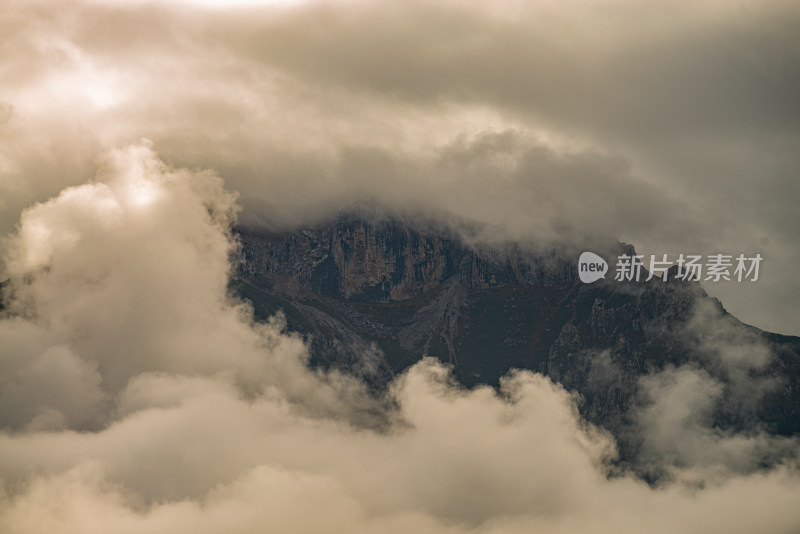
<point x="671" y="125"/>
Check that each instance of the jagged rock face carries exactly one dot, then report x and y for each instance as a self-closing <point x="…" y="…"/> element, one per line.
<point x="374" y="295"/>
<point x="385" y="261"/>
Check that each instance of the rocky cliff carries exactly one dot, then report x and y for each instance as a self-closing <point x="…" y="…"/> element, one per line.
<point x="362" y="256"/>
<point x="375" y="292"/>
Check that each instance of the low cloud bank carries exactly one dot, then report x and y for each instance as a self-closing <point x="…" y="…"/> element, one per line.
<point x="136" y="395"/>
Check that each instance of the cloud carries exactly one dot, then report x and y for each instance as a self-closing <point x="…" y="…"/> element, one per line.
<point x="672" y="127"/>
<point x="678" y="428"/>
<point x="460" y="462"/>
<point x="127" y="271"/>
<point x="136" y="395"/>
<point x="139" y="396"/>
<point x="709" y="414"/>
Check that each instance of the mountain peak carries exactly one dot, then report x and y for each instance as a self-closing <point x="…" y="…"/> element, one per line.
<point x="375" y="290"/>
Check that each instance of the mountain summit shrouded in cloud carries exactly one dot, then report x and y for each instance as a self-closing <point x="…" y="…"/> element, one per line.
<point x="375" y="291"/>
<point x="139" y="394"/>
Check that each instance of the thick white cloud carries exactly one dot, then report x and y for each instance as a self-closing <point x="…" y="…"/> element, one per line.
<point x="131" y="273"/>
<point x="138" y="396"/>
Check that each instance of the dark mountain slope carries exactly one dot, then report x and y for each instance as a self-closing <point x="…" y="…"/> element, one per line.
<point x="374" y="293"/>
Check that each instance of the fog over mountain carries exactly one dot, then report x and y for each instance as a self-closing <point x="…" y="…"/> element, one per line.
<point x="669" y="125"/>
<point x="139" y="396"/>
<point x="144" y="146"/>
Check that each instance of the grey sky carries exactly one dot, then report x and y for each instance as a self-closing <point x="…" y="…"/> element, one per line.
<point x="673" y="126"/>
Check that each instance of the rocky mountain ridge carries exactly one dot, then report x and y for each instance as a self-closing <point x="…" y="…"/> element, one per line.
<point x="374" y="293"/>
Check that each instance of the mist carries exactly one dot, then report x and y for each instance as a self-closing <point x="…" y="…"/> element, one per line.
<point x="672" y="127"/>
<point x="138" y="395"/>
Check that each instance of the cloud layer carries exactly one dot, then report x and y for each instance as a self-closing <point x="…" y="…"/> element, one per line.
<point x="672" y="125"/>
<point x="138" y="396"/>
